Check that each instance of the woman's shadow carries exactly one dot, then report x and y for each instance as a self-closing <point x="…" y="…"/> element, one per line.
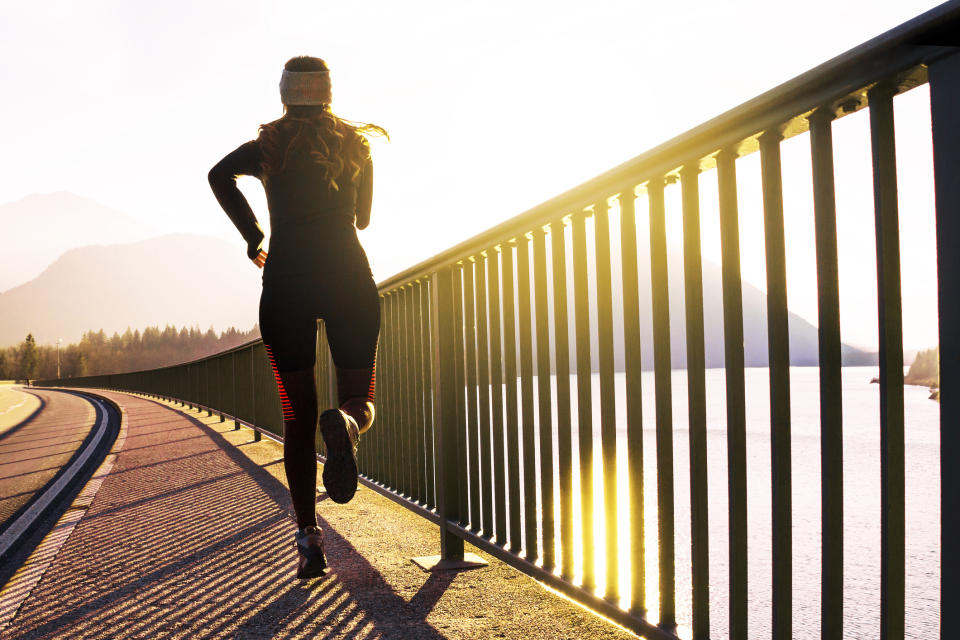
<point x="354" y="601"/>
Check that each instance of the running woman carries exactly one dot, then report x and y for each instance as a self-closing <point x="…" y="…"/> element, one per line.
<point x="316" y="170"/>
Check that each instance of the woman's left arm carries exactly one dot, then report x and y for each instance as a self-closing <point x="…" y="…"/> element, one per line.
<point x="365" y="195"/>
<point x="244" y="160"/>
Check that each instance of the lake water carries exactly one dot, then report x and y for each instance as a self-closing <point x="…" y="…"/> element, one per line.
<point x="861" y="501"/>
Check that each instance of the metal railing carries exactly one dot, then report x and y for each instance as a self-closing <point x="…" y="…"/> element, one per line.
<point x="477" y="364"/>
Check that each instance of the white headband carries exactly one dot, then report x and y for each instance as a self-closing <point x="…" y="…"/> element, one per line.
<point x="305" y="87"/>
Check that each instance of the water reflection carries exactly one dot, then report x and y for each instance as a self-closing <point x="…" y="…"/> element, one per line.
<point x="861" y="503"/>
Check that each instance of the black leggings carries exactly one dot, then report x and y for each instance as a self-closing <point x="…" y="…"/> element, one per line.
<point x="349" y="305"/>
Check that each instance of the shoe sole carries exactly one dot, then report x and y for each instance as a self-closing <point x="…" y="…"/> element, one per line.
<point x="340" y="469"/>
<point x="316" y="565"/>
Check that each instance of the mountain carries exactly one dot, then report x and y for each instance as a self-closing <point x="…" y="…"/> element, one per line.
<point x="46" y="225"/>
<point x="186" y="279"/>
<point x="804" y="346"/>
<point x="179" y="279"/>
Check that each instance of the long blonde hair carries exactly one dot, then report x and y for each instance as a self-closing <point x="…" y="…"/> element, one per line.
<point x="337" y="146"/>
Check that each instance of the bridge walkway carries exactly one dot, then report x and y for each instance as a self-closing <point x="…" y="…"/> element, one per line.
<point x="190" y="535"/>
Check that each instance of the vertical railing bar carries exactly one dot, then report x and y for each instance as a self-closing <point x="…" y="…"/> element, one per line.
<point x="510" y="383"/>
<point x="459" y="377"/>
<point x="207" y="393"/>
<point x="664" y="410"/>
<point x="528" y="461"/>
<point x="400" y="397"/>
<point x="696" y="400"/>
<point x="384" y="395"/>
<point x="778" y="346"/>
<point x="400" y="466"/>
<point x="236" y="395"/>
<point x="831" y="389"/>
<point x="410" y="424"/>
<point x="260" y="389"/>
<point x="413" y="333"/>
<point x="388" y="427"/>
<point x="608" y="409"/>
<point x="373" y="438"/>
<point x="893" y="524"/>
<point x="220" y="403"/>
<point x="496" y="389"/>
<point x="544" y="410"/>
<point x="736" y="410"/>
<point x="483" y="375"/>
<point x="378" y="427"/>
<point x="558" y="258"/>
<point x="429" y="454"/>
<point x="419" y="423"/>
<point x="253" y="395"/>
<point x="409" y="358"/>
<point x="473" y="429"/>
<point x="381" y="424"/>
<point x="633" y="371"/>
<point x="944" y="75"/>
<point x="391" y="379"/>
<point x="581" y="304"/>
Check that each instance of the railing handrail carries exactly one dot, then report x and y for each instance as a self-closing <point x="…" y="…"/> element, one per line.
<point x="829" y="84"/>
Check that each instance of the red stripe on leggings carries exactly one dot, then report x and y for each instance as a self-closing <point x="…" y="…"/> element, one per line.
<point x="284" y="400"/>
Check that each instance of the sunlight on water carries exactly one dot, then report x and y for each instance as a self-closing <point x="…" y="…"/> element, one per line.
<point x="861" y="511"/>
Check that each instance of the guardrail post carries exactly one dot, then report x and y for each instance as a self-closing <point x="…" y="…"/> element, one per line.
<point x="445" y="393"/>
<point x="236" y="397"/>
<point x="220" y="389"/>
<point x="944" y="77"/>
<point x="253" y="400"/>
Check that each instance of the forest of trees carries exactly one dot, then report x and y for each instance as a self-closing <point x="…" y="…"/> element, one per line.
<point x="98" y="353"/>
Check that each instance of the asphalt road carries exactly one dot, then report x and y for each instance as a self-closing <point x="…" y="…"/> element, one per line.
<point x="32" y="452"/>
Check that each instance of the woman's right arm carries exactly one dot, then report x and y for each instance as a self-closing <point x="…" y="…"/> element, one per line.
<point x="244" y="160"/>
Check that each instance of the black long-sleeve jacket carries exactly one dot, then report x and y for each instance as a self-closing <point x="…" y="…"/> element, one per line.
<point x="313" y="226"/>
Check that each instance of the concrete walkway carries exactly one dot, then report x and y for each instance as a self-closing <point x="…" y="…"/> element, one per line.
<point x="191" y="535"/>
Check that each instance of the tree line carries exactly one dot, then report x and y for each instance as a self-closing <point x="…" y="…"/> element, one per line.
<point x="134" y="350"/>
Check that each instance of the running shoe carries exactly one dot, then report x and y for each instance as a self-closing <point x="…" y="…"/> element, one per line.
<point x="312" y="562"/>
<point x="340" y="434"/>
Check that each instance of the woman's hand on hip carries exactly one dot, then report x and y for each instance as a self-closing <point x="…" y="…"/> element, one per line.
<point x="260" y="259"/>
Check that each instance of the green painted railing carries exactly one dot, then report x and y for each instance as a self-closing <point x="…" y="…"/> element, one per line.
<point x="473" y="339"/>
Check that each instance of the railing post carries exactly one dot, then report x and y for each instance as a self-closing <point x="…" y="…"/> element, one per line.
<point x="220" y="389"/>
<point x="236" y="397"/>
<point x="445" y="392"/>
<point x="445" y="411"/>
<point x="253" y="400"/>
<point x="890" y="324"/>
<point x="831" y="381"/>
<point x="944" y="106"/>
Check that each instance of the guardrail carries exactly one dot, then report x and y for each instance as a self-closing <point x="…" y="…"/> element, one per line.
<point x="476" y="358"/>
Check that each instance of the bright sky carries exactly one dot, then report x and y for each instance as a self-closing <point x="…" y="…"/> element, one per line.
<point x="492" y="107"/>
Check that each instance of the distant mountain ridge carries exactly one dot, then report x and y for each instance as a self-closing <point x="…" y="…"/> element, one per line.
<point x="46" y="225"/>
<point x="804" y="342"/>
<point x="179" y="279"/>
<point x="188" y="279"/>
